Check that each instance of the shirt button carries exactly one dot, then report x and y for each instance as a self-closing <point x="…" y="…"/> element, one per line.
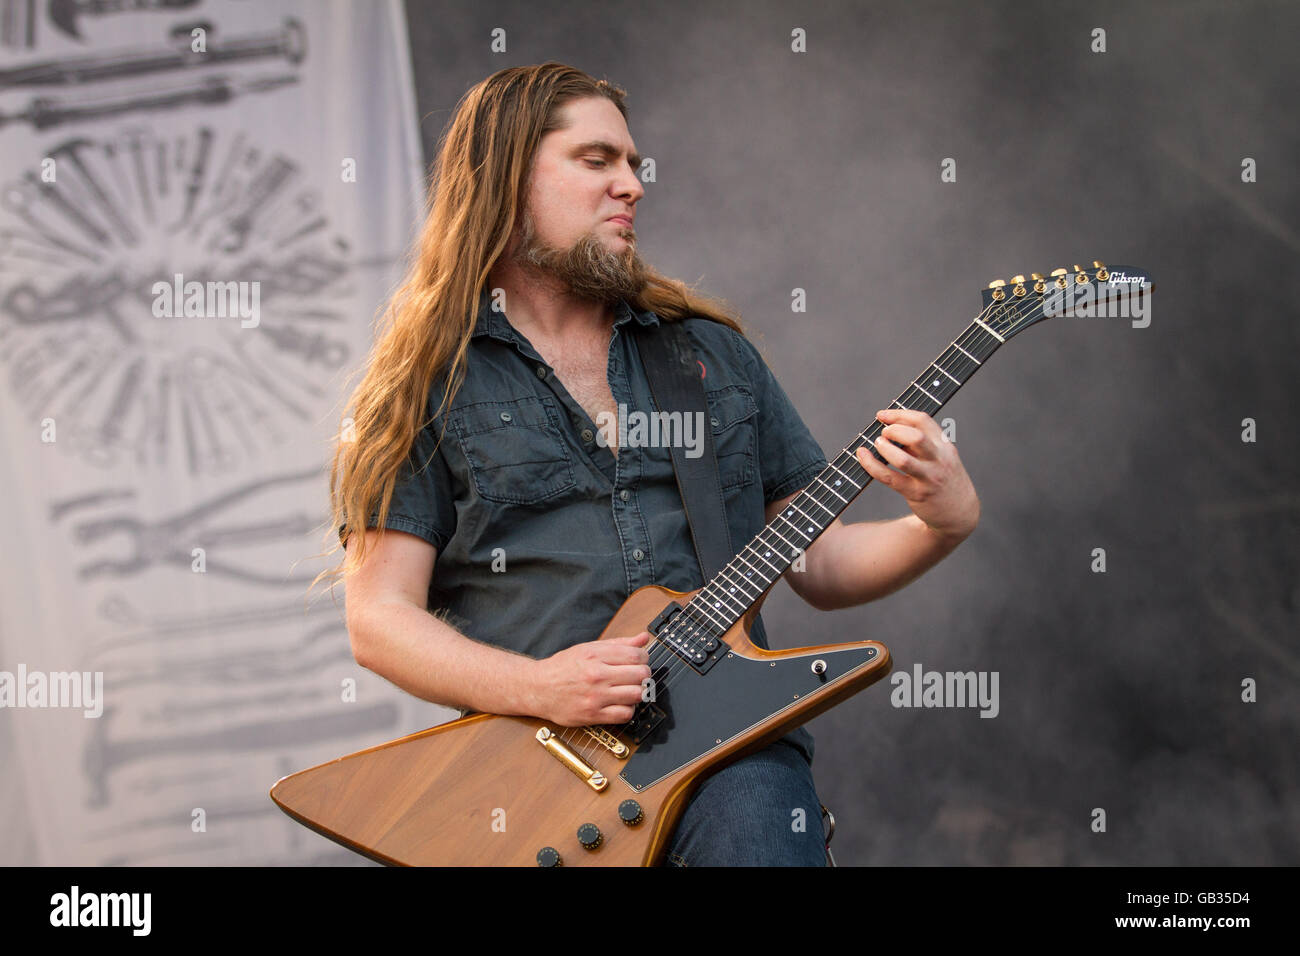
<point x="541" y="371"/>
<point x="587" y="434"/>
<point x="505" y="416"/>
<point x="623" y="494"/>
<point x="638" y="554"/>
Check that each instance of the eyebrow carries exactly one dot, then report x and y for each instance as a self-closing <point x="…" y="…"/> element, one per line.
<point x="608" y="150"/>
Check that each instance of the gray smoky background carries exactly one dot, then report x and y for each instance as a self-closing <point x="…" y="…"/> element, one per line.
<point x="820" y="170"/>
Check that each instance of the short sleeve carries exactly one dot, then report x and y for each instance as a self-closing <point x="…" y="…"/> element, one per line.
<point x="423" y="502"/>
<point x="788" y="455"/>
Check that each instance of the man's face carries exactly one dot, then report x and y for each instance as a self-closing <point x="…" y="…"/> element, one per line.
<point x="583" y="177"/>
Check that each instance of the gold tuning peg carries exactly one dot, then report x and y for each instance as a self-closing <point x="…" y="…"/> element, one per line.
<point x="1102" y="274"/>
<point x="1018" y="280"/>
<point x="1098" y="264"/>
<point x="1036" y="276"/>
<point x="1078" y="268"/>
<point x="997" y="283"/>
<point x="1058" y="272"/>
<point x="1039" y="284"/>
<point x="1080" y="277"/>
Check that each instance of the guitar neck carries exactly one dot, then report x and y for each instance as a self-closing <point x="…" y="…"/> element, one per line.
<point x="752" y="572"/>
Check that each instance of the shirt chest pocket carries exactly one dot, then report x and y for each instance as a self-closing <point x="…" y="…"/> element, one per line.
<point x="733" y="418"/>
<point x="514" y="450"/>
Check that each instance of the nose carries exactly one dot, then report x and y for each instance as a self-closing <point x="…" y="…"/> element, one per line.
<point x="628" y="186"/>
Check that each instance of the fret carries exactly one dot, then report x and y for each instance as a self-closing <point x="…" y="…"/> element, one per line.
<point x="962" y="366"/>
<point x="819" y="505"/>
<point x="780" y="535"/>
<point x="984" y="346"/>
<point x="936" y="401"/>
<point x="718" y="591"/>
<point x="752" y="569"/>
<point x="822" y="482"/>
<point x="765" y="561"/>
<point x="745" y="579"/>
<point x="945" y="372"/>
<point x="937" y="405"/>
<point x="714" y="618"/>
<point x="806" y="514"/>
<point x="846" y="477"/>
<point x="736" y="582"/>
<point x="989" y="331"/>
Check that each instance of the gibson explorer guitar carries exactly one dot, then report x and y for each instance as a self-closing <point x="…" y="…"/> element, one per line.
<point x="495" y="790"/>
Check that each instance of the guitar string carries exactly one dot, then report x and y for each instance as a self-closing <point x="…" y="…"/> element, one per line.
<point x="1022" y="308"/>
<point x="679" y="665"/>
<point x="700" y="617"/>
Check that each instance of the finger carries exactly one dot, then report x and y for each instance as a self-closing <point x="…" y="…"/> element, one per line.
<point x="905" y="485"/>
<point x="907" y="416"/>
<point x="627" y="675"/>
<point x="625" y="694"/>
<point x="615" y="714"/>
<point x="911" y="438"/>
<point x="875" y="467"/>
<point x="623" y="654"/>
<point x="635" y="639"/>
<point x="896" y="456"/>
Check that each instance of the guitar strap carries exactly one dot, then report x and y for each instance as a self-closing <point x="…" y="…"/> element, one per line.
<point x="673" y="372"/>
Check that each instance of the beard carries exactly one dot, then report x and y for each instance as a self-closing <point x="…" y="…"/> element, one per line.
<point x="588" y="269"/>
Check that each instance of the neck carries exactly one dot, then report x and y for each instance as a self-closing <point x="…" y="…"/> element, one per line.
<point x="546" y="310"/>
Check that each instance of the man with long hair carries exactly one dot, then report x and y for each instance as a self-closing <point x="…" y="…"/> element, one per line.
<point x="521" y="523"/>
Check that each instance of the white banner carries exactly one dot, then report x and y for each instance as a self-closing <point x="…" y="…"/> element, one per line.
<point x="204" y="204"/>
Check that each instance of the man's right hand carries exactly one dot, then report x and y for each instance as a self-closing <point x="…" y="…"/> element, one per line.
<point x="599" y="682"/>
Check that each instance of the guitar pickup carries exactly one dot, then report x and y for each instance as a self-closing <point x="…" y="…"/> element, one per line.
<point x="690" y="641"/>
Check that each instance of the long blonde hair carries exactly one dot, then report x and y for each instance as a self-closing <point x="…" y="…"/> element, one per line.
<point x="476" y="193"/>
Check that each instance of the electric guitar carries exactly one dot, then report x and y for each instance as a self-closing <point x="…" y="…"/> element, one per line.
<point x="496" y="790"/>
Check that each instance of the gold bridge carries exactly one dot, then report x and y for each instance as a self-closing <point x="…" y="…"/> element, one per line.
<point x="608" y="741"/>
<point x="561" y="751"/>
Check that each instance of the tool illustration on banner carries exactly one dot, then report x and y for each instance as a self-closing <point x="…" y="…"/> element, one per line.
<point x="65" y="14"/>
<point x="83" y="331"/>
<point x="288" y="43"/>
<point x="170" y="541"/>
<point x="103" y="756"/>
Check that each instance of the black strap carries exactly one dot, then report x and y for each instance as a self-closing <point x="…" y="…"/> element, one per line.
<point x="674" y="375"/>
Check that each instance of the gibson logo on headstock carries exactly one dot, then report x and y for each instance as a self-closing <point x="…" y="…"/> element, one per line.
<point x="1124" y="277"/>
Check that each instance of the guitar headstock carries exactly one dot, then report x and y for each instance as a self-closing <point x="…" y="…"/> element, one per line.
<point x="1011" y="306"/>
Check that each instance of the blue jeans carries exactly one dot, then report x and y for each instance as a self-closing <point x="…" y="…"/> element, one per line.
<point x="748" y="814"/>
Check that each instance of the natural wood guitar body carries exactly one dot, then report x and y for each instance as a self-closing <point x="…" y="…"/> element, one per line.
<point x="483" y="791"/>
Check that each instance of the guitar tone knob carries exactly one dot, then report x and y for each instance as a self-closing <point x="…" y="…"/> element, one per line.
<point x="589" y="836"/>
<point x="630" y="812"/>
<point x="549" y="856"/>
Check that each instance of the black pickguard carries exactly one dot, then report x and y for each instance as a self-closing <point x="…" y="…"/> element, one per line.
<point x="705" y="711"/>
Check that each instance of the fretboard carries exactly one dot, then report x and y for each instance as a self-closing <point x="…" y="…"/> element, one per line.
<point x="730" y="593"/>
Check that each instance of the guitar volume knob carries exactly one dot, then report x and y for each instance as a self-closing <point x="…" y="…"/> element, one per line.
<point x="630" y="812"/>
<point x="549" y="856"/>
<point x="589" y="836"/>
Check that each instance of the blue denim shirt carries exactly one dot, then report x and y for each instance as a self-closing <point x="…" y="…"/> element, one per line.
<point x="522" y="480"/>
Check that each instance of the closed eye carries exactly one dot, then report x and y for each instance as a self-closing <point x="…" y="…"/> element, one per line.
<point x="600" y="161"/>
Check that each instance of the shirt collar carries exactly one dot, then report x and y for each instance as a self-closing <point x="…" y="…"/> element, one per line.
<point x="495" y="324"/>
